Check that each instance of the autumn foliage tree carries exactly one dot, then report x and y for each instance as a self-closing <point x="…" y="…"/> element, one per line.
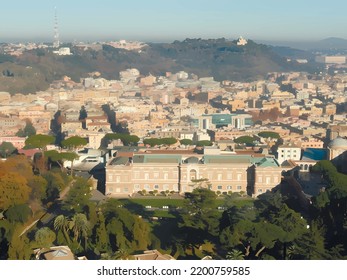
<point x="13" y="190"/>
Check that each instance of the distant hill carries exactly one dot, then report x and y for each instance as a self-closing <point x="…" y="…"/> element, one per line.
<point x="220" y="58"/>
<point x="293" y="53"/>
<point x="331" y="43"/>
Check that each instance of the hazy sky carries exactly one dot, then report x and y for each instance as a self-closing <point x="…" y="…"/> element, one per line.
<point x="167" y="20"/>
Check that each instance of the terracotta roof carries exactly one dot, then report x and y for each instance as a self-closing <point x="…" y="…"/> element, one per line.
<point x="97" y="117"/>
<point x="98" y="123"/>
<point x="125" y="154"/>
<point x="28" y="153"/>
<point x="153" y="255"/>
<point x="56" y="253"/>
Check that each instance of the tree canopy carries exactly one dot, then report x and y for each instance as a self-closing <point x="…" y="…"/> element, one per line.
<point x="200" y="221"/>
<point x="160" y="141"/>
<point x="39" y="141"/>
<point x="18" y="213"/>
<point x="74" y="142"/>
<point x="45" y="237"/>
<point x="248" y="140"/>
<point x="269" y="134"/>
<point x="13" y="190"/>
<point x="202" y="143"/>
<point x="127" y="139"/>
<point x="77" y="198"/>
<point x="27" y="131"/>
<point x="60" y="157"/>
<point x="186" y="142"/>
<point x="6" y="149"/>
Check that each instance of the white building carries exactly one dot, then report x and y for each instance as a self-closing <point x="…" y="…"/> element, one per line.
<point x="302" y="94"/>
<point x="288" y="152"/>
<point x="331" y="59"/>
<point x="241" y="41"/>
<point x="63" y="51"/>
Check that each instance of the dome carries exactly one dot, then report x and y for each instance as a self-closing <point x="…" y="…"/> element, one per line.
<point x="192" y="160"/>
<point x="338" y="143"/>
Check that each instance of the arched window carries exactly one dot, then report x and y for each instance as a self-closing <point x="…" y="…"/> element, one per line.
<point x="192" y="174"/>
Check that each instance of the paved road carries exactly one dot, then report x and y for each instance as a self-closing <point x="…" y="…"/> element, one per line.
<point x="64" y="192"/>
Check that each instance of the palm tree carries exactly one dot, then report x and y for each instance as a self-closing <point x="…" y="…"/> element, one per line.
<point x="120" y="254"/>
<point x="61" y="223"/>
<point x="235" y="255"/>
<point x="79" y="226"/>
<point x="291" y="252"/>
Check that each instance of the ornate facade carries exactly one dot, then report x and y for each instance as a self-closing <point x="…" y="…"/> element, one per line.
<point x="182" y="173"/>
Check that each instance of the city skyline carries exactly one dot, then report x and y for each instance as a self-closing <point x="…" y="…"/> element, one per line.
<point x="167" y="21"/>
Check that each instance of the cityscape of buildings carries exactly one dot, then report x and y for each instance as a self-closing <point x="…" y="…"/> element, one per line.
<point x="184" y="106"/>
<point x="168" y="138"/>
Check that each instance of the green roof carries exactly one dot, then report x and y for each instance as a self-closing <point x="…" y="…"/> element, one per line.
<point x="119" y="161"/>
<point x="221" y="119"/>
<point x="265" y="162"/>
<point x="157" y="159"/>
<point x="210" y="159"/>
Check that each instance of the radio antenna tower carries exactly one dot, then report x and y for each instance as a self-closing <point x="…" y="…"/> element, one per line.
<point x="56" y="42"/>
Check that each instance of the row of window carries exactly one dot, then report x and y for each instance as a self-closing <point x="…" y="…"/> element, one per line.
<point x="290" y="155"/>
<point x="229" y="188"/>
<point x="289" y="151"/>
<point x="267" y="180"/>
<point x="137" y="187"/>
<point x="312" y="146"/>
<point x="175" y="176"/>
<point x="239" y="188"/>
<point x="147" y="176"/>
<point x="219" y="177"/>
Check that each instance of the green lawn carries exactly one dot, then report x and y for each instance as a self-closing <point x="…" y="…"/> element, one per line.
<point x="162" y="214"/>
<point x="138" y="203"/>
<point x="154" y="202"/>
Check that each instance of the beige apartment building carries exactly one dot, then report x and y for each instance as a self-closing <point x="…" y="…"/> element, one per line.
<point x="237" y="104"/>
<point x="126" y="175"/>
<point x="310" y="143"/>
<point x="330" y="109"/>
<point x="34" y="115"/>
<point x="5" y="97"/>
<point x="18" y="142"/>
<point x="335" y="131"/>
<point x="265" y="175"/>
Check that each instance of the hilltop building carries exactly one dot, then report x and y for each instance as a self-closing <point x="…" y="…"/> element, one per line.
<point x="241" y="41"/>
<point x="63" y="51"/>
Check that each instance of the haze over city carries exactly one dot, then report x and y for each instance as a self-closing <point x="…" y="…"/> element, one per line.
<point x="173" y="130"/>
<point x="172" y="20"/>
